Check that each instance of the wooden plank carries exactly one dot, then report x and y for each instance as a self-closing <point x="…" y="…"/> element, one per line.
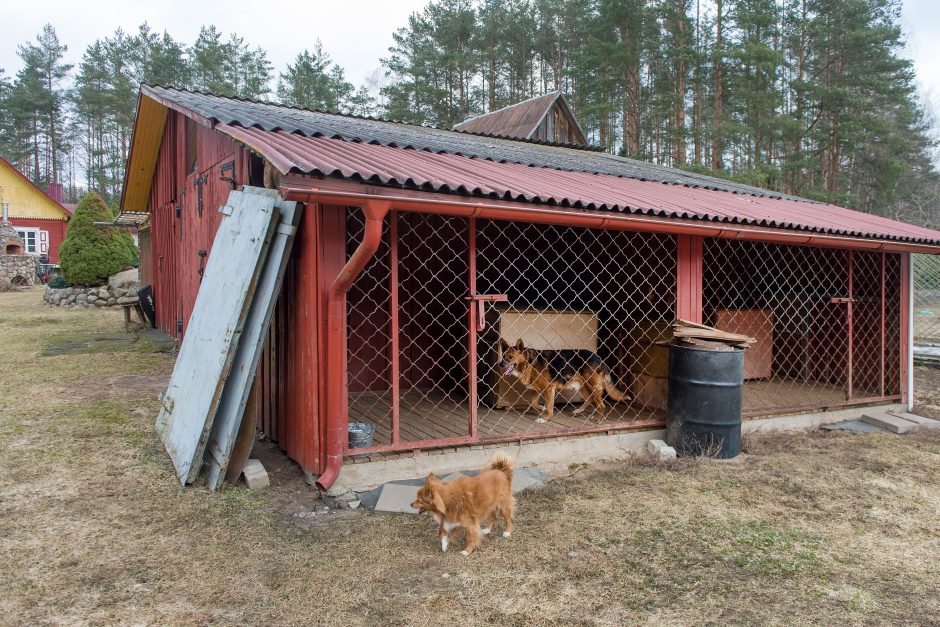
<point x="237" y="387"/>
<point x="215" y="326"/>
<point x="245" y="440"/>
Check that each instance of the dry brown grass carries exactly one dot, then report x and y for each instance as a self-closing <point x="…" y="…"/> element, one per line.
<point x="807" y="528"/>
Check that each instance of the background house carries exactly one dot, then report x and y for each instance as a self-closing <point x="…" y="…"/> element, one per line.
<point x="40" y="218"/>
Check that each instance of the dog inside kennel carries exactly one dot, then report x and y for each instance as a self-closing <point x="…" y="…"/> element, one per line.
<point x="426" y="316"/>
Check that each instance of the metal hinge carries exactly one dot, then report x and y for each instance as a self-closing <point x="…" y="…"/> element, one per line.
<point x="179" y="209"/>
<point x="179" y="325"/>
<point x="225" y="167"/>
<point x="202" y="262"/>
<point x="198" y="183"/>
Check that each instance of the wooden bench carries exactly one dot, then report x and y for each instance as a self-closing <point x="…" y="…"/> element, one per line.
<point x="135" y="306"/>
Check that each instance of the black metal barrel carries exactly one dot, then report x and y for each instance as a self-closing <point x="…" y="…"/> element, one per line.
<point x="704" y="401"/>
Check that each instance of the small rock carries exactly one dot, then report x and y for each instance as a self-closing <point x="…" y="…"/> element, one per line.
<point x="101" y="302"/>
<point x="127" y="300"/>
<point x="103" y="293"/>
<point x="91" y="298"/>
<point x="354" y="504"/>
<point x="112" y="302"/>
<point x="118" y="292"/>
<point x="445" y="576"/>
<point x="572" y="554"/>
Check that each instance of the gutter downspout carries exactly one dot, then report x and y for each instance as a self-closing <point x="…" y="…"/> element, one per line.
<point x="336" y="420"/>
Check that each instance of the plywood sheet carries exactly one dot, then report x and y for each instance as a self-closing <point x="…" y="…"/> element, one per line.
<point x="208" y="350"/>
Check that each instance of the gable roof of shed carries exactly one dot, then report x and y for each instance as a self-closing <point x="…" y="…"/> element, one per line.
<point x="519" y="120"/>
<point x="403" y="155"/>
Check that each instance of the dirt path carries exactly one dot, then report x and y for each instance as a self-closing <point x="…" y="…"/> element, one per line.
<point x="812" y="528"/>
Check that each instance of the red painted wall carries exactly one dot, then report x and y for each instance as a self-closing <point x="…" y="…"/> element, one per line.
<point x="175" y="242"/>
<point x="287" y="395"/>
<point x="55" y="228"/>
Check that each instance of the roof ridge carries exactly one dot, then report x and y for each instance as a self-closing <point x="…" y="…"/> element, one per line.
<point x="371" y="118"/>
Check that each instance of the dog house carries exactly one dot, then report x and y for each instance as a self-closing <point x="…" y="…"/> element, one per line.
<point x="420" y="248"/>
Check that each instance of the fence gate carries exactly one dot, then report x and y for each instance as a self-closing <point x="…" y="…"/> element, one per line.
<point x="426" y="315"/>
<point x="827" y="322"/>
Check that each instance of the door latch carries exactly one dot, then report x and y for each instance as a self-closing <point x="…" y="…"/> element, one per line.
<point x="480" y="300"/>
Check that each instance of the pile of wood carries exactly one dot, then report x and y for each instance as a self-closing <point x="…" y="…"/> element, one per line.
<point x="708" y="337"/>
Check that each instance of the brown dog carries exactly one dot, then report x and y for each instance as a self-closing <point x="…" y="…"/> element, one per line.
<point x="546" y="372"/>
<point x="469" y="502"/>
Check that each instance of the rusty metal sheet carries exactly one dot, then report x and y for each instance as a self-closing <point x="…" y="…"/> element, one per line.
<point x="237" y="388"/>
<point x="208" y="350"/>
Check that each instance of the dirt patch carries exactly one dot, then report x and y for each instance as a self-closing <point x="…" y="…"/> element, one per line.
<point x="816" y="527"/>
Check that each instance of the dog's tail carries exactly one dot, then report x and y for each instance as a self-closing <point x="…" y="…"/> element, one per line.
<point x="612" y="390"/>
<point x="503" y="463"/>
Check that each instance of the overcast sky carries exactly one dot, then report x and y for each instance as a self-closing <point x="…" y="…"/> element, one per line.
<point x="356" y="33"/>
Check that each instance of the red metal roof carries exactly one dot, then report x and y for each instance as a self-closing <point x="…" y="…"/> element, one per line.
<point x="509" y="181"/>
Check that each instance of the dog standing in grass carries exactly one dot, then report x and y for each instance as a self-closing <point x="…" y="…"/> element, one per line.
<point x="470" y="502"/>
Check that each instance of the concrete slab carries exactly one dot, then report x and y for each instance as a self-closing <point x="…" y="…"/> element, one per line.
<point x="889" y="422"/>
<point x="525" y="478"/>
<point x="556" y="455"/>
<point x="926" y="423"/>
<point x="851" y="425"/>
<point x="397" y="498"/>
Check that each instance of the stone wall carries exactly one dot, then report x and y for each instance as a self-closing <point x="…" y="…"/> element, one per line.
<point x="24" y="266"/>
<point x="104" y="296"/>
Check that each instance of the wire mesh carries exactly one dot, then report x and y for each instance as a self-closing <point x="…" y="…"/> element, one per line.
<point x="821" y="318"/>
<point x="926" y="301"/>
<point x="589" y="309"/>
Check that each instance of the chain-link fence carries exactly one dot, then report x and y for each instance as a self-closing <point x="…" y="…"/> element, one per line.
<point x="463" y="331"/>
<point x="926" y="300"/>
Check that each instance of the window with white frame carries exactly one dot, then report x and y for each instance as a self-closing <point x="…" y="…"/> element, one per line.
<point x="30" y="237"/>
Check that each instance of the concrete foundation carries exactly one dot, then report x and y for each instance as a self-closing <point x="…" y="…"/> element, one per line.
<point x="554" y="456"/>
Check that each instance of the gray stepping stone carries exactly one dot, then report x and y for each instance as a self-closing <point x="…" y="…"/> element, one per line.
<point x="397" y="498"/>
<point x="851" y="425"/>
<point x="889" y="423"/>
<point x="926" y="423"/>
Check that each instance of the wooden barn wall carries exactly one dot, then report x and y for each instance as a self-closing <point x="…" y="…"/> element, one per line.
<point x="290" y="382"/>
<point x="176" y="240"/>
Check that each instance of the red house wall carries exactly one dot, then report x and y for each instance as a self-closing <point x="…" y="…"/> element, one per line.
<point x="55" y="228"/>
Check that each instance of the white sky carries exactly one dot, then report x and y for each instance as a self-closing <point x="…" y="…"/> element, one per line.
<point x="356" y="33"/>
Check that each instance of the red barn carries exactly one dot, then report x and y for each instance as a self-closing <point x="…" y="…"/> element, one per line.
<point x="421" y="247"/>
<point x="40" y="218"/>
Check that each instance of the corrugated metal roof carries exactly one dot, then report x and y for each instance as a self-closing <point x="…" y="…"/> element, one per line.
<point x="290" y="152"/>
<point x="272" y="117"/>
<point x="516" y="120"/>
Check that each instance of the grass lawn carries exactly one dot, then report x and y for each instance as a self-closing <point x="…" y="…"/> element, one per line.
<point x="809" y="528"/>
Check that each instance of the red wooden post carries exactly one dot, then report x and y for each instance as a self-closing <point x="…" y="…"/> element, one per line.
<point x="883" y="258"/>
<point x="689" y="252"/>
<point x="849" y="321"/>
<point x="907" y="382"/>
<point x="393" y="330"/>
<point x="472" y="324"/>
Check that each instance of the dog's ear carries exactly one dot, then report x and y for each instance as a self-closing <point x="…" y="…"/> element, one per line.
<point x="531" y="355"/>
<point x="520" y="345"/>
<point x="438" y="501"/>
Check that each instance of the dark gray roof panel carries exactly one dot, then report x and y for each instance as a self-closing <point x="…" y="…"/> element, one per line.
<point x="272" y="117"/>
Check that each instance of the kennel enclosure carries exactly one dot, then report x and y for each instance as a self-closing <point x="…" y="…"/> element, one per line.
<point x="421" y="248"/>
